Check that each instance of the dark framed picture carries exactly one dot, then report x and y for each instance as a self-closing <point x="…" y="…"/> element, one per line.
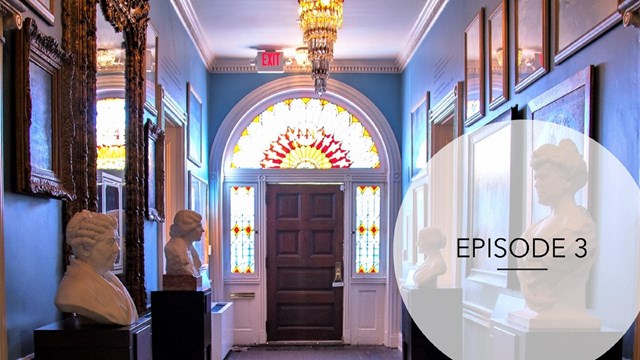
<point x="111" y="201"/>
<point x="474" y="69"/>
<point x="154" y="170"/>
<point x="419" y="136"/>
<point x="194" y="126"/>
<point x="445" y="119"/>
<point x="579" y="23"/>
<point x="199" y="202"/>
<point x="531" y="44"/>
<point x="151" y="66"/>
<point x="568" y="104"/>
<point x="499" y="56"/>
<point x="44" y="8"/>
<point x="43" y="114"/>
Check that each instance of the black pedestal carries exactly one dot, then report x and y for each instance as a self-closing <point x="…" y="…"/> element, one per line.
<point x="71" y="339"/>
<point x="181" y="324"/>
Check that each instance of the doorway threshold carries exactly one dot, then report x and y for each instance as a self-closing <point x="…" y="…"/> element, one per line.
<point x="305" y="343"/>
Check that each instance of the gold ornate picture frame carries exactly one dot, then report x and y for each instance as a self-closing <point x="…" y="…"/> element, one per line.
<point x="474" y="94"/>
<point x="43" y="114"/>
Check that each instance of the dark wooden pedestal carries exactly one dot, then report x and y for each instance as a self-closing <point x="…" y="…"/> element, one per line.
<point x="181" y="325"/>
<point x="71" y="339"/>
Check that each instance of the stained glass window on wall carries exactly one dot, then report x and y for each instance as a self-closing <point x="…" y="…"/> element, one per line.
<point x="367" y="229"/>
<point x="242" y="204"/>
<point x="110" y="130"/>
<point x="305" y="133"/>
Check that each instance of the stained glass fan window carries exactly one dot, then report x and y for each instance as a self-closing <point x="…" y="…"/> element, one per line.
<point x="110" y="130"/>
<point x="367" y="229"/>
<point x="305" y="133"/>
<point x="242" y="201"/>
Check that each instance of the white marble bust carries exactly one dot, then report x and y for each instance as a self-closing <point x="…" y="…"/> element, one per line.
<point x="88" y="288"/>
<point x="557" y="297"/>
<point x="182" y="258"/>
<point x="430" y="241"/>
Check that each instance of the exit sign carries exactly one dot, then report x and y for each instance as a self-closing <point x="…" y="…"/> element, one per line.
<point x="270" y="61"/>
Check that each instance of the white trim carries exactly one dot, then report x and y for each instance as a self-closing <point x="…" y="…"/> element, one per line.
<point x="428" y="17"/>
<point x="388" y="66"/>
<point x="354" y="102"/>
<point x="189" y="20"/>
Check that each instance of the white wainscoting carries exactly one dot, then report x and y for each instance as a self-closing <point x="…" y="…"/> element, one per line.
<point x="366" y="313"/>
<point x="249" y="315"/>
<point x="476" y="331"/>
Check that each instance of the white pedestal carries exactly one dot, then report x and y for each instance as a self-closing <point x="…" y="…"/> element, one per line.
<point x="221" y="329"/>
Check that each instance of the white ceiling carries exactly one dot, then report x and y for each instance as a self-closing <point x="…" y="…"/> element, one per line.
<point x="380" y="32"/>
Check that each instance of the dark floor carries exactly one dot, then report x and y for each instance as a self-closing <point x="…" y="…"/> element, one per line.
<point x="290" y="352"/>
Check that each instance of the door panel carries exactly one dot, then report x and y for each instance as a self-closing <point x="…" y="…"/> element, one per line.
<point x="304" y="243"/>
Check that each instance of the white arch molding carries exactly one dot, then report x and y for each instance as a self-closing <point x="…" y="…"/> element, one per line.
<point x="390" y="172"/>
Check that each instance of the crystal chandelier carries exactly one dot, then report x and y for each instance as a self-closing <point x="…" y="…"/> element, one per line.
<point x="320" y="21"/>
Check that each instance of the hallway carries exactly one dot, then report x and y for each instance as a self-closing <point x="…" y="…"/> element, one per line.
<point x="315" y="352"/>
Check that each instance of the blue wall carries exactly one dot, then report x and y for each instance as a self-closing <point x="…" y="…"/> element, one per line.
<point x="33" y="226"/>
<point x="226" y="90"/>
<point x="615" y="55"/>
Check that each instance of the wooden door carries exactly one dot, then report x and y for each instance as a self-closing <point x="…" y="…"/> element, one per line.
<point x="304" y="244"/>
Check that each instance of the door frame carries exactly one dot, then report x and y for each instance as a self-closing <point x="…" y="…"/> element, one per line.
<point x="389" y="175"/>
<point x="172" y="116"/>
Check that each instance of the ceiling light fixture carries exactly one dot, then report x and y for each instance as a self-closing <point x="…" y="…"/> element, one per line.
<point x="302" y="56"/>
<point x="320" y="21"/>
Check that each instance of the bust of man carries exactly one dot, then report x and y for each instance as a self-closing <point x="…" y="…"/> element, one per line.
<point x="88" y="288"/>
<point x="430" y="241"/>
<point x="182" y="258"/>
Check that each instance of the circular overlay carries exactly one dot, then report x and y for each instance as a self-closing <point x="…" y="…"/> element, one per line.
<point x="520" y="241"/>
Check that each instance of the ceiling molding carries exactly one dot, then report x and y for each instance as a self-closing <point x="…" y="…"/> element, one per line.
<point x="190" y="22"/>
<point x="337" y="66"/>
<point x="427" y="17"/>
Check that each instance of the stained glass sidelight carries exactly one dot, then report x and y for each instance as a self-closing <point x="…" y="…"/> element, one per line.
<point x="242" y="204"/>
<point x="367" y="229"/>
<point x="305" y="133"/>
<point x="110" y="130"/>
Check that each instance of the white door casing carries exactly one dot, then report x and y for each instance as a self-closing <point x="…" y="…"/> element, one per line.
<point x="389" y="175"/>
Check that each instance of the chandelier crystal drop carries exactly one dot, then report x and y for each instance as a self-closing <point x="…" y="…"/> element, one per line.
<point x="320" y="21"/>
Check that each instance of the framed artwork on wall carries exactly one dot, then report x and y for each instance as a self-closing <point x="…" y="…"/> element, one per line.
<point x="419" y="136"/>
<point x="43" y="114"/>
<point x="567" y="104"/>
<point x="44" y="8"/>
<point x="199" y="202"/>
<point x="531" y="44"/>
<point x="154" y="170"/>
<point x="194" y="126"/>
<point x="498" y="56"/>
<point x="579" y="23"/>
<point x="474" y="69"/>
<point x="490" y="196"/>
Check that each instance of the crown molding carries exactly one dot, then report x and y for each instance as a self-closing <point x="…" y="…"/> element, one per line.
<point x="427" y="17"/>
<point x="190" y="21"/>
<point x="337" y="66"/>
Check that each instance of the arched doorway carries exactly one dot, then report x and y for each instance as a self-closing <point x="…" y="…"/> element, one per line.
<point x="370" y="300"/>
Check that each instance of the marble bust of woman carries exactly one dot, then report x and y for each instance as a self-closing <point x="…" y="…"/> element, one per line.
<point x="430" y="241"/>
<point x="182" y="257"/>
<point x="88" y="288"/>
<point x="556" y="297"/>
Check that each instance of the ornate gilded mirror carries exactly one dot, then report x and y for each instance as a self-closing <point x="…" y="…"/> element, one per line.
<point x="129" y="19"/>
